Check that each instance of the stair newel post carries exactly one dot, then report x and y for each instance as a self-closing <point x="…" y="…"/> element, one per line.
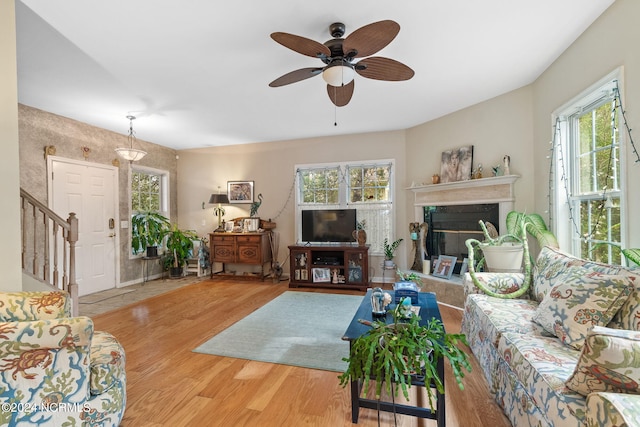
<point x="72" y="238"/>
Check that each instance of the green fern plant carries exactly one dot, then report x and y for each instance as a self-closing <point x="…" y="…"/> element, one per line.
<point x="392" y="353"/>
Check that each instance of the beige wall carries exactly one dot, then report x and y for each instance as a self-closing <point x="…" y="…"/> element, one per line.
<point x="517" y="123"/>
<point x="612" y="41"/>
<point x="497" y="127"/>
<point x="9" y="161"/>
<point x="272" y="168"/>
<point x="39" y="129"/>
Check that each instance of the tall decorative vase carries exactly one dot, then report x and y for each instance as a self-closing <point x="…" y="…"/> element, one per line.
<point x="360" y="236"/>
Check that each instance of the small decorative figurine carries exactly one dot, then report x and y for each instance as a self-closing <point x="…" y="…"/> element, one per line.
<point x="506" y="163"/>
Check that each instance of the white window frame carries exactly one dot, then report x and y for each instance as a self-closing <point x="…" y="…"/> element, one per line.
<point x="376" y="228"/>
<point x="164" y="195"/>
<point x="565" y="204"/>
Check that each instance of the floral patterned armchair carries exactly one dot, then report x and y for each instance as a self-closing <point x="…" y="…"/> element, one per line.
<point x="55" y="370"/>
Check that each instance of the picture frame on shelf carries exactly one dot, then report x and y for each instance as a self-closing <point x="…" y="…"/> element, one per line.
<point x="464" y="267"/>
<point x="321" y="275"/>
<point x="456" y="164"/>
<point x="444" y="266"/>
<point x="240" y="191"/>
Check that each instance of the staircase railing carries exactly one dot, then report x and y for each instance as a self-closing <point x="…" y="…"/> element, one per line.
<point x="49" y="246"/>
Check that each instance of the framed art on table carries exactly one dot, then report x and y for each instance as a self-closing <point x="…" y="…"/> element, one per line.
<point x="240" y="191"/>
<point x="444" y="266"/>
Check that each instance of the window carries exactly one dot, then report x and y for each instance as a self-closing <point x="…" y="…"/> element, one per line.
<point x="366" y="187"/>
<point x="149" y="191"/>
<point x="589" y="195"/>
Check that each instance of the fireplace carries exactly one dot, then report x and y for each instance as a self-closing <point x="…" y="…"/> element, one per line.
<point x="452" y="211"/>
<point x="450" y="226"/>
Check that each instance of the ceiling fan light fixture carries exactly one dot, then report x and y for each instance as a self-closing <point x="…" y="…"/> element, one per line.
<point x="338" y="75"/>
<point x="129" y="153"/>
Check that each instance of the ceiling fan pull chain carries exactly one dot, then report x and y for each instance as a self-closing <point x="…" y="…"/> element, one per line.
<point x="335" y="109"/>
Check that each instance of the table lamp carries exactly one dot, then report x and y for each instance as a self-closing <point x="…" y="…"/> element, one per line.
<point x="219" y="200"/>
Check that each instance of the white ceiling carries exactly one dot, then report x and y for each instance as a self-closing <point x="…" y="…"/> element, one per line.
<point x="196" y="72"/>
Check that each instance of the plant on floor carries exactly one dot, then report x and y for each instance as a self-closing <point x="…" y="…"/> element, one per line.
<point x="179" y="246"/>
<point x="390" y="248"/>
<point x="393" y="354"/>
<point x="148" y="229"/>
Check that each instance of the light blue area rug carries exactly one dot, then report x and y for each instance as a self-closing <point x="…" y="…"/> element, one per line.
<point x="297" y="328"/>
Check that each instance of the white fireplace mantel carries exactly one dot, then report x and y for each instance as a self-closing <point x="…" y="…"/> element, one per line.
<point x="498" y="189"/>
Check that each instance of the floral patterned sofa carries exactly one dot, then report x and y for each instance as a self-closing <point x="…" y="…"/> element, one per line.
<point x="567" y="354"/>
<point x="55" y="370"/>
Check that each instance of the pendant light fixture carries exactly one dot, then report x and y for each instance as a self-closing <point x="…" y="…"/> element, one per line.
<point x="130" y="153"/>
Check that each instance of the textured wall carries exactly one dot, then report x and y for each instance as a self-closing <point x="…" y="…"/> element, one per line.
<point x="38" y="129"/>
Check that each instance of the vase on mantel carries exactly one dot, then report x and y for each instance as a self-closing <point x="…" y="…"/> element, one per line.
<point x="360" y="236"/>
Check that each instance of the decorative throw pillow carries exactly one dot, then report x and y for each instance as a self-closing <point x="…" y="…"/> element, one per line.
<point x="580" y="302"/>
<point x="608" y="362"/>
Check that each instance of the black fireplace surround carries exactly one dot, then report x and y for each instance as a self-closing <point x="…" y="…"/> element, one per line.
<point x="450" y="226"/>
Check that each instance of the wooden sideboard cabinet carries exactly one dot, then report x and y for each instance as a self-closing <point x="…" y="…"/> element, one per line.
<point x="329" y="266"/>
<point x="240" y="248"/>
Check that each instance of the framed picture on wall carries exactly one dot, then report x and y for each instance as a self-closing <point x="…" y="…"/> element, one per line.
<point x="240" y="191"/>
<point x="444" y="266"/>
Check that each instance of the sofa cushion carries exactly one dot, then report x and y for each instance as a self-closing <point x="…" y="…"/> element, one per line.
<point x="495" y="316"/>
<point x="542" y="365"/>
<point x="502" y="283"/>
<point x="25" y="306"/>
<point x="553" y="266"/>
<point x="580" y="302"/>
<point x="107" y="362"/>
<point x="610" y="361"/>
<point x="612" y="409"/>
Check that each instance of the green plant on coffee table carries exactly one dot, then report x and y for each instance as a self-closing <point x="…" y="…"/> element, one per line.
<point x="410" y="276"/>
<point x="392" y="353"/>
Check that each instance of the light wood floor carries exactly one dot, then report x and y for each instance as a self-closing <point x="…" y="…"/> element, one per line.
<point x="169" y="385"/>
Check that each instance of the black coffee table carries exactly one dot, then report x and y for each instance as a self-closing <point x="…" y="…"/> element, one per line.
<point x="428" y="310"/>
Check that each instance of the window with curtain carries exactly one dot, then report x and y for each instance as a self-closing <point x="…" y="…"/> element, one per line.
<point x="364" y="186"/>
<point x="589" y="194"/>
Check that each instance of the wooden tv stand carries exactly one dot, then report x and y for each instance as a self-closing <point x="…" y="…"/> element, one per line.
<point x="329" y="266"/>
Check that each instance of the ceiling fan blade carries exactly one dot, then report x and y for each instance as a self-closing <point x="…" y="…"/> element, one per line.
<point x="341" y="95"/>
<point x="380" y="68"/>
<point x="370" y="39"/>
<point x="302" y="45"/>
<point x="295" y="76"/>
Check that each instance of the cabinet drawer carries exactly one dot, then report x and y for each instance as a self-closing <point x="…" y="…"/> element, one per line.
<point x="245" y="239"/>
<point x="224" y="253"/>
<point x="223" y="238"/>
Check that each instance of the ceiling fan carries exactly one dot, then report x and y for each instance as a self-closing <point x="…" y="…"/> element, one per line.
<point x="339" y="54"/>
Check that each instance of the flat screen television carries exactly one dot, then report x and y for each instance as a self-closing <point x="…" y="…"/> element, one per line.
<point x="328" y="225"/>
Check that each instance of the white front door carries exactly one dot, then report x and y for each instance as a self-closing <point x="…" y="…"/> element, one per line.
<point x="89" y="190"/>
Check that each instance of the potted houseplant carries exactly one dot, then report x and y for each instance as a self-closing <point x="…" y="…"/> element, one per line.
<point x="389" y="251"/>
<point x="148" y="229"/>
<point x="519" y="226"/>
<point x="392" y="354"/>
<point x="179" y="248"/>
<point x="632" y="255"/>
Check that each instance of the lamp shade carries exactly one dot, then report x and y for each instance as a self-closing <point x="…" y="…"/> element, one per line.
<point x="219" y="199"/>
<point x="131" y="154"/>
<point x="338" y="75"/>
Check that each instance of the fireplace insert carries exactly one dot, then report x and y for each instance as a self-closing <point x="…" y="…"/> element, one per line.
<point x="450" y="226"/>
